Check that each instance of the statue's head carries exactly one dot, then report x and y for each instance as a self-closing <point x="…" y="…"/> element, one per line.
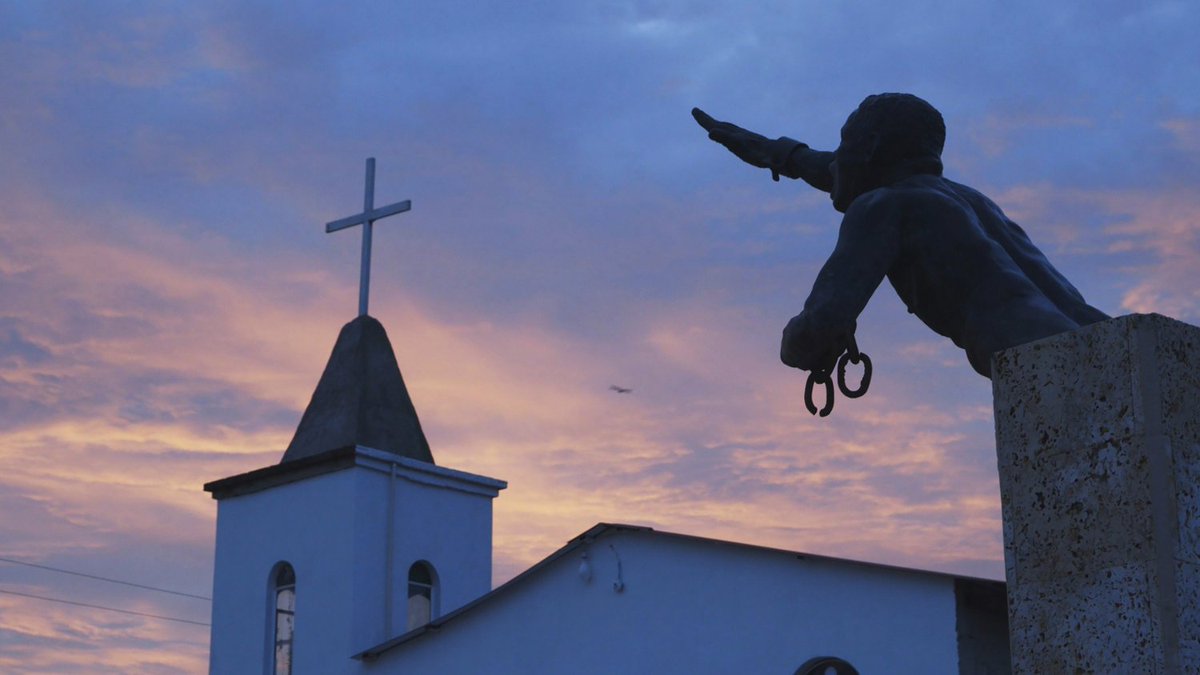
<point x="889" y="136"/>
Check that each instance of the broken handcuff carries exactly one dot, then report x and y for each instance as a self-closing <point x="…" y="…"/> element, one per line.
<point x="825" y="377"/>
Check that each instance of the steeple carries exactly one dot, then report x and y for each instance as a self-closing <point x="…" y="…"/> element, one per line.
<point x="355" y="535"/>
<point x="360" y="400"/>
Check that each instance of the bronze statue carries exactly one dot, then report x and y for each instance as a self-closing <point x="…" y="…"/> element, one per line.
<point x="954" y="258"/>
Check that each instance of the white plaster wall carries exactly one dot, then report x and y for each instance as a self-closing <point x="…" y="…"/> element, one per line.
<point x="309" y="524"/>
<point x="693" y="607"/>
<point x="332" y="528"/>
<point x="447" y="527"/>
<point x="452" y="531"/>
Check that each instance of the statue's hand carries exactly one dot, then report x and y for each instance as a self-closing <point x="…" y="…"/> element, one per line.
<point x="809" y="347"/>
<point x="751" y="148"/>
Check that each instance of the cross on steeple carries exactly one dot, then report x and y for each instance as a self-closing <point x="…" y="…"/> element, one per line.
<point x="367" y="218"/>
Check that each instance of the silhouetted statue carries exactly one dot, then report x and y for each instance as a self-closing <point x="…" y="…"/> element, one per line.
<point x="954" y="258"/>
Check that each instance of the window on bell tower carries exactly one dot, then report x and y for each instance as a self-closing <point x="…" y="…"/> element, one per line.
<point x="284" y="583"/>
<point x="421" y="588"/>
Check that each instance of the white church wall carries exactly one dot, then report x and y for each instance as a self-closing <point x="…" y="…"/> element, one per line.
<point x="333" y="528"/>
<point x="441" y="516"/>
<point x="309" y="524"/>
<point x="693" y="606"/>
<point x="461" y="556"/>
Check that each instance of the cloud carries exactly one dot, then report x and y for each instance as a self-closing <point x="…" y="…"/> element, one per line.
<point x="1186" y="133"/>
<point x="732" y="447"/>
<point x="1144" y="242"/>
<point x="995" y="133"/>
<point x="1162" y="226"/>
<point x="42" y="637"/>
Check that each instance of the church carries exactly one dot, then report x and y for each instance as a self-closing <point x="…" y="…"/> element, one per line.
<point x="356" y="553"/>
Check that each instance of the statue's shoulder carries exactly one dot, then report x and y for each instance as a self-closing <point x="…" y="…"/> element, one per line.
<point x="917" y="201"/>
<point x="912" y="192"/>
<point x="879" y="209"/>
<point x="967" y="192"/>
<point x="873" y="202"/>
<point x="932" y="191"/>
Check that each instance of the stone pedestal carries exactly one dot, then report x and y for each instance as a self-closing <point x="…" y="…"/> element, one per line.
<point x="1098" y="445"/>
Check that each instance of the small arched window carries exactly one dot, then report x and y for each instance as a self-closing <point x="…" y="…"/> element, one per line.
<point x="826" y="665"/>
<point x="284" y="582"/>
<point x="421" y="588"/>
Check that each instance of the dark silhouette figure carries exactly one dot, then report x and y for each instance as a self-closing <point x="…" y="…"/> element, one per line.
<point x="954" y="258"/>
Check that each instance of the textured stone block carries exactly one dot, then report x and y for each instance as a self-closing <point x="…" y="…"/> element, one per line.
<point x="1188" y="581"/>
<point x="1187" y="487"/>
<point x="1098" y="446"/>
<point x="1100" y="623"/>
<point x="1059" y="395"/>
<point x="1071" y="511"/>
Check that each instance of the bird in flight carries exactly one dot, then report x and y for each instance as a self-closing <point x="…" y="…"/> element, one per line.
<point x="620" y="390"/>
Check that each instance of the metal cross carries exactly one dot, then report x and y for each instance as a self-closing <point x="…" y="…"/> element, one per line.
<point x="367" y="218"/>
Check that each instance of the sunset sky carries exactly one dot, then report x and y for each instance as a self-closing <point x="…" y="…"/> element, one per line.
<point x="168" y="295"/>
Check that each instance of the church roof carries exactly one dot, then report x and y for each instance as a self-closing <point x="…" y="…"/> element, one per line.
<point x="360" y="400"/>
<point x="601" y="530"/>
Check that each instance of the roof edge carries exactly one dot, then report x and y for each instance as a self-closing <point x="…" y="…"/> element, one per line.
<point x="604" y="529"/>
<point x="280" y="474"/>
<point x="345" y="458"/>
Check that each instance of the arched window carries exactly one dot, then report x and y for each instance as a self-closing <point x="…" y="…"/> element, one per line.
<point x="421" y="588"/>
<point x="284" y="582"/>
<point x="826" y="665"/>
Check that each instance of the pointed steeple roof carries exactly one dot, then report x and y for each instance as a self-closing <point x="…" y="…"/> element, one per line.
<point x="360" y="400"/>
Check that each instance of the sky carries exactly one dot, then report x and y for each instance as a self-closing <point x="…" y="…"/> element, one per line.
<point x="168" y="295"/>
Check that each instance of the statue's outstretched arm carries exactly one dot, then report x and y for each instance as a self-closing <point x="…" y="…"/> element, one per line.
<point x="783" y="156"/>
<point x="867" y="247"/>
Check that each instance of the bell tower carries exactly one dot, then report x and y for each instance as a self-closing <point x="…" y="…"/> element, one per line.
<point x="356" y="536"/>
